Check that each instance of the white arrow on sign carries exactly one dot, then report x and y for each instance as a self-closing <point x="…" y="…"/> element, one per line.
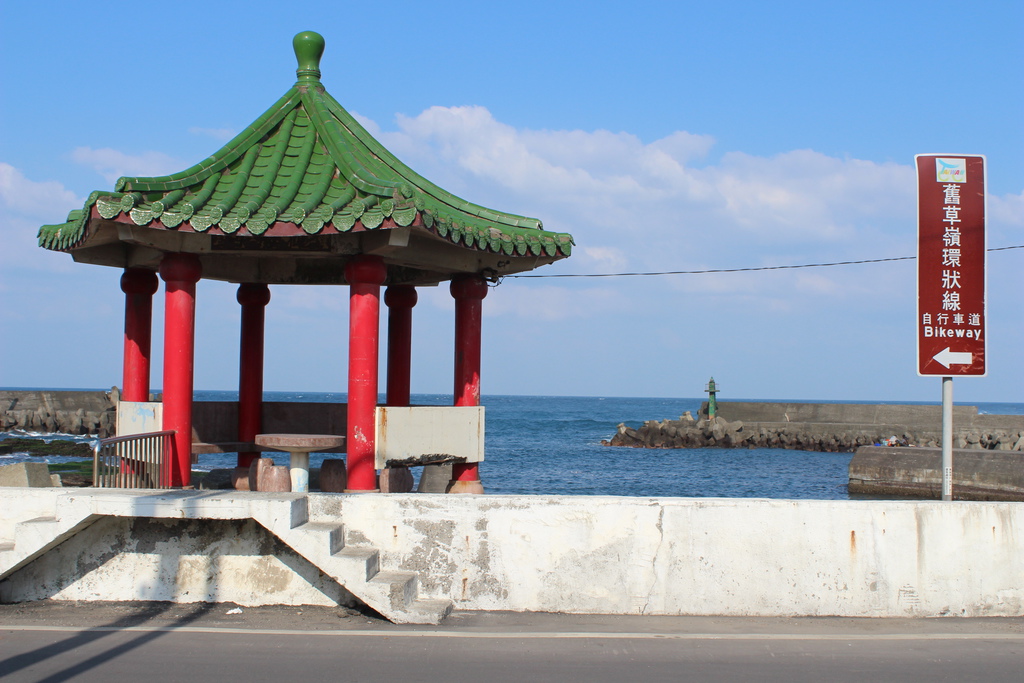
<point x="945" y="357"/>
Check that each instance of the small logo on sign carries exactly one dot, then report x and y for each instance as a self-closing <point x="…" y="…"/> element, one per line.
<point x="951" y="170"/>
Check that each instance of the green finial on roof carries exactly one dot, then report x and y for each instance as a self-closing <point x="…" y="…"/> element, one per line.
<point x="309" y="48"/>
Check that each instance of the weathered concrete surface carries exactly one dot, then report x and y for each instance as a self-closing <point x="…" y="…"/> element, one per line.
<point x="176" y="561"/>
<point x="917" y="472"/>
<point x="701" y="556"/>
<point x="35" y="526"/>
<point x="606" y="555"/>
<point x="26" y="474"/>
<point x="435" y="478"/>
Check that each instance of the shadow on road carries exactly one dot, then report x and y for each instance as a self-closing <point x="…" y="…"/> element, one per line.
<point x="140" y="617"/>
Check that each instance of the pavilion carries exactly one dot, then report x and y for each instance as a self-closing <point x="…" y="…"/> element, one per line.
<point x="304" y="195"/>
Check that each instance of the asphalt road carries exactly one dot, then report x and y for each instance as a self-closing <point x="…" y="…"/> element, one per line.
<point x="149" y="642"/>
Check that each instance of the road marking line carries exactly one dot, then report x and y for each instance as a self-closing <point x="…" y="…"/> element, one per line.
<point x="531" y="635"/>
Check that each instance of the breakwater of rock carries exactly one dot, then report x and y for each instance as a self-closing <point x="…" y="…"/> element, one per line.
<point x="66" y="412"/>
<point x="838" y="428"/>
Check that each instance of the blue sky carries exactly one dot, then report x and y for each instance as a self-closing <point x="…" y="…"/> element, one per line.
<point x="663" y="136"/>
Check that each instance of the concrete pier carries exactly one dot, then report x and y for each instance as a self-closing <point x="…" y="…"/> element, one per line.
<point x="917" y="473"/>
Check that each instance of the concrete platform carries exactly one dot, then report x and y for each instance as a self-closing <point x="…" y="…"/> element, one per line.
<point x="413" y="557"/>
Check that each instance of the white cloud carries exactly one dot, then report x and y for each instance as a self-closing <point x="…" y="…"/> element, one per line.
<point x="223" y="134"/>
<point x="1007" y="209"/>
<point x="113" y="164"/>
<point x="21" y="251"/>
<point x="551" y="303"/>
<point x="635" y="206"/>
<point x="369" y="124"/>
<point x="318" y="299"/>
<point x="647" y="202"/>
<point x="439" y="298"/>
<point x="523" y="298"/>
<point x="603" y="258"/>
<point x="631" y="206"/>
<point x="806" y="194"/>
<point x="24" y="206"/>
<point x="817" y="284"/>
<point x="34" y="199"/>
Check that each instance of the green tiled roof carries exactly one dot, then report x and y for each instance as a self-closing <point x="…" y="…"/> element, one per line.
<point x="305" y="162"/>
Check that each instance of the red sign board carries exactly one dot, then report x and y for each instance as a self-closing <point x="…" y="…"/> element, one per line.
<point x="951" y="265"/>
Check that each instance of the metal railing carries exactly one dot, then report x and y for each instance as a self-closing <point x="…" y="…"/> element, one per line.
<point x="135" y="461"/>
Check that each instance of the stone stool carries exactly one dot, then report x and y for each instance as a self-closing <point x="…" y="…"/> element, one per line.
<point x="257" y="472"/>
<point x="395" y="480"/>
<point x="333" y="476"/>
<point x="277" y="478"/>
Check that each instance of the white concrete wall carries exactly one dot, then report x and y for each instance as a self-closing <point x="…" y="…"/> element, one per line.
<point x="20" y="503"/>
<point x="210" y="560"/>
<point x="701" y="556"/>
<point x="559" y="554"/>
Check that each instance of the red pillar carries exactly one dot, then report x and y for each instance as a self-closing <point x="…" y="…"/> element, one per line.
<point x="365" y="275"/>
<point x="469" y="292"/>
<point x="180" y="273"/>
<point x="139" y="285"/>
<point x="253" y="298"/>
<point x="400" y="299"/>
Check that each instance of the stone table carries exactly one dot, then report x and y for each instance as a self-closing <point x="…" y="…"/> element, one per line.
<point x="299" y="447"/>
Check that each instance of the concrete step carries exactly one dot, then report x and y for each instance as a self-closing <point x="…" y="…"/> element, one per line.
<point x="7" y="555"/>
<point x="399" y="589"/>
<point x="364" y="562"/>
<point x="316" y="531"/>
<point x="394" y="594"/>
<point x="39" y="520"/>
<point x="34" y="537"/>
<point x="35" y="533"/>
<point x="397" y="595"/>
<point x="323" y="543"/>
<point x="426" y="611"/>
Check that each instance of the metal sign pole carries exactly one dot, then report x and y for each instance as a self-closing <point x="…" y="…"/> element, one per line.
<point x="947" y="438"/>
<point x="951" y="256"/>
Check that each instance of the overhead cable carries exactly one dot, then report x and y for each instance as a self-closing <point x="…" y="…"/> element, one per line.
<point x="742" y="270"/>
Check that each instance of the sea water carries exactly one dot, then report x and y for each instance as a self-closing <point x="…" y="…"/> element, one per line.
<point x="551" y="445"/>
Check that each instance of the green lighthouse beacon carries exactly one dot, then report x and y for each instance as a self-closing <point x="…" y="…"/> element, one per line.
<point x="711" y="390"/>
